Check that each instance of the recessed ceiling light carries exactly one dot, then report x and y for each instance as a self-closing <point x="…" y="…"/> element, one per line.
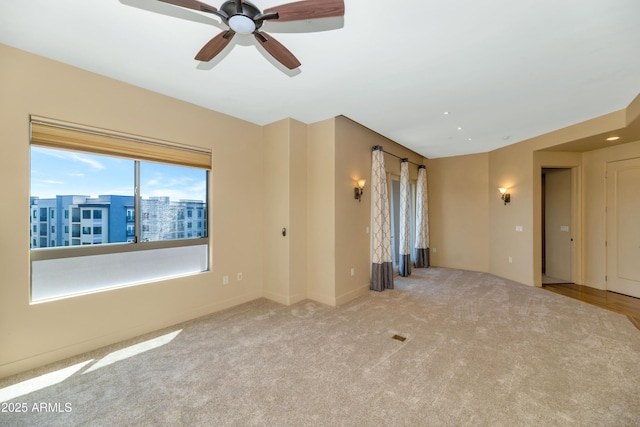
<point x="506" y="137"/>
<point x="446" y="113"/>
<point x="469" y="139"/>
<point x="613" y="138"/>
<point x="459" y="128"/>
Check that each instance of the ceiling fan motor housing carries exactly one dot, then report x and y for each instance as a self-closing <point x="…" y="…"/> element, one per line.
<point x="248" y="9"/>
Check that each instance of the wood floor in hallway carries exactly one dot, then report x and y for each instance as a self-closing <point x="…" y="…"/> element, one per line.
<point x="623" y="304"/>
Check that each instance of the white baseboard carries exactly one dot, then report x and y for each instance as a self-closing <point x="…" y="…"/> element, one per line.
<point x="344" y="298"/>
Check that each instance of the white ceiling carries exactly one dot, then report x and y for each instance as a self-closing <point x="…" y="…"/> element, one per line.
<point x="505" y="70"/>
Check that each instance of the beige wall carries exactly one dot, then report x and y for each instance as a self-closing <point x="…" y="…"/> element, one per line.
<point x="458" y="211"/>
<point x="511" y="167"/>
<point x="31" y="335"/>
<point x="519" y="165"/>
<point x="353" y="143"/>
<point x="321" y="217"/>
<point x="298" y="213"/>
<point x="287" y="174"/>
<point x="458" y="184"/>
<point x="276" y="199"/>
<point x="353" y="162"/>
<point x="310" y="174"/>
<point x="285" y="206"/>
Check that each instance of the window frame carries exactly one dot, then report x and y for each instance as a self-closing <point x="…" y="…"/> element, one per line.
<point x="121" y="139"/>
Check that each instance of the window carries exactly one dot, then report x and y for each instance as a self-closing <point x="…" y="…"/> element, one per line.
<point x="186" y="188"/>
<point x="92" y="174"/>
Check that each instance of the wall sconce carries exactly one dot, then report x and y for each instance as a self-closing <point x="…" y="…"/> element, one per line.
<point x="357" y="192"/>
<point x="505" y="196"/>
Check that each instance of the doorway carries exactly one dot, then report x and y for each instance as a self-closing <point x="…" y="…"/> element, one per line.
<point x="557" y="228"/>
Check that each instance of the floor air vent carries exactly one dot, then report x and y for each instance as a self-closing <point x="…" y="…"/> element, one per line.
<point x="399" y="338"/>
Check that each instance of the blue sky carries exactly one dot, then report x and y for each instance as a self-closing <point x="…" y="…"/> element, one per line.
<point x="59" y="172"/>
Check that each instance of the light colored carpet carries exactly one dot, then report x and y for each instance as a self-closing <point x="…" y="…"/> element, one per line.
<point x="479" y="350"/>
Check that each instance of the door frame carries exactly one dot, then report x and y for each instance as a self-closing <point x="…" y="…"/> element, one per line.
<point x="576" y="222"/>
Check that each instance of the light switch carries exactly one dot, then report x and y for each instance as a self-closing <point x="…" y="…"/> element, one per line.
<point x="519" y="228"/>
<point x="564" y="228"/>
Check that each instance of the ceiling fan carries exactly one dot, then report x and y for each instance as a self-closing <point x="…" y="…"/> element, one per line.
<point x="243" y="17"/>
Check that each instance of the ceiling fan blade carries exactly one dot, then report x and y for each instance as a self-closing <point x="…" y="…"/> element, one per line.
<point x="277" y="50"/>
<point x="192" y="4"/>
<point x="215" y="46"/>
<point x="309" y="9"/>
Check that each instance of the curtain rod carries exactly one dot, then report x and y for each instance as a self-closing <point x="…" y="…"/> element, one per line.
<point x="379" y="147"/>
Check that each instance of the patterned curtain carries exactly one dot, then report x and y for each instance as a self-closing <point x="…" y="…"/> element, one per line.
<point x="381" y="261"/>
<point x="422" y="220"/>
<point x="405" y="224"/>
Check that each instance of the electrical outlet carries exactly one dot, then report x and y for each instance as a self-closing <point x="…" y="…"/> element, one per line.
<point x="239" y="277"/>
<point x="510" y="260"/>
<point x="353" y="271"/>
<point x="434" y="250"/>
<point x="225" y="280"/>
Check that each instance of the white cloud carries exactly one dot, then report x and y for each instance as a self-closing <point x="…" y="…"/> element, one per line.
<point x="91" y="162"/>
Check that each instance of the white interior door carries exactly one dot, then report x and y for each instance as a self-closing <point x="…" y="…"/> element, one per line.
<point x="623" y="227"/>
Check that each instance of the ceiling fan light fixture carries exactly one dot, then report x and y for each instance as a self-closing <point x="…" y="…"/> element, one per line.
<point x="242" y="24"/>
